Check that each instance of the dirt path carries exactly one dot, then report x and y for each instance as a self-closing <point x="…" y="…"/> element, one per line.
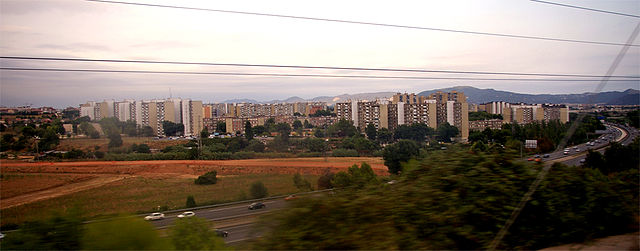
<point x="59" y="191"/>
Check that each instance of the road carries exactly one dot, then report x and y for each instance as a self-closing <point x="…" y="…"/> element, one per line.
<point x="575" y="154"/>
<point x="236" y="218"/>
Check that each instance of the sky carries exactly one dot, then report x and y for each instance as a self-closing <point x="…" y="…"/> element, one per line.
<point x="84" y="29"/>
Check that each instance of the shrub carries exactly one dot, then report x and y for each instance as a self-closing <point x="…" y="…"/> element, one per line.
<point x="258" y="190"/>
<point x="191" y="202"/>
<point x="344" y="153"/>
<point x="207" y="178"/>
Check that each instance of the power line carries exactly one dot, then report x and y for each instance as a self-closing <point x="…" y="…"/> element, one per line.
<point x="300" y="75"/>
<point x="367" y="23"/>
<point x="585" y="8"/>
<point x="313" y="67"/>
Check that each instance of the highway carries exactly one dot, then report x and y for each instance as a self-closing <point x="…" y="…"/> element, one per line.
<point x="238" y="220"/>
<point x="618" y="133"/>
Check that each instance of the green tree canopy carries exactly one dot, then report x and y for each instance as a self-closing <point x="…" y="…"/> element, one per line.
<point x="401" y="152"/>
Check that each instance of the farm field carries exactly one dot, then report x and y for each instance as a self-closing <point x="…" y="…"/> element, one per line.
<point x="31" y="191"/>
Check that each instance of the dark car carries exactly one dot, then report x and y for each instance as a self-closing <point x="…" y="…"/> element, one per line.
<point x="222" y="233"/>
<point x="546" y="156"/>
<point x="256" y="205"/>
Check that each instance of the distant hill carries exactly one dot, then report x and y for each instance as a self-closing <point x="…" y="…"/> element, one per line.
<point x="479" y="96"/>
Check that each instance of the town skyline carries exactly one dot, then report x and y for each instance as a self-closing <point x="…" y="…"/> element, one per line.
<point x="102" y="30"/>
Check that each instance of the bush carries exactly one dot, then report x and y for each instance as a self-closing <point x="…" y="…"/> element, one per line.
<point x="191" y="202"/>
<point x="207" y="178"/>
<point x="258" y="190"/>
<point x="344" y="153"/>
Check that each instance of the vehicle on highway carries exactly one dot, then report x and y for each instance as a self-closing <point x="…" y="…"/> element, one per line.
<point x="186" y="214"/>
<point x="565" y="152"/>
<point x="546" y="155"/>
<point x="291" y="197"/>
<point x="577" y="149"/>
<point x="582" y="160"/>
<point x="221" y="233"/>
<point x="537" y="156"/>
<point x="537" y="160"/>
<point x="154" y="216"/>
<point x="1" y="235"/>
<point x="256" y="205"/>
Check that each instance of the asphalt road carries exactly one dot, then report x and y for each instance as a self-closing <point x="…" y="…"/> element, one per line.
<point x="576" y="153"/>
<point x="245" y="231"/>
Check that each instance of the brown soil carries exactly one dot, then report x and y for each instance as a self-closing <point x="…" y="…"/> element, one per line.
<point x="55" y="180"/>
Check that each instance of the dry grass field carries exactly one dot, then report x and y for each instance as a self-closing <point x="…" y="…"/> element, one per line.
<point x="31" y="191"/>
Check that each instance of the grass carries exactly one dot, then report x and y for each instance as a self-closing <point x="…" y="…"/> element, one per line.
<point x="139" y="195"/>
<point x="14" y="184"/>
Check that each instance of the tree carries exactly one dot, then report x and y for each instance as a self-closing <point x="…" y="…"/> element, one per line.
<point x="194" y="233"/>
<point x="318" y="133"/>
<point x="255" y="146"/>
<point x="221" y="127"/>
<point x="315" y="144"/>
<point x="446" y="132"/>
<point x="371" y="131"/>
<point x="114" y="139"/>
<point x="131" y="128"/>
<point x="248" y="131"/>
<point x="307" y="124"/>
<point x="89" y="130"/>
<point x="384" y="136"/>
<point x="398" y="153"/>
<point x="142" y="148"/>
<point x="324" y="181"/>
<point x="297" y="126"/>
<point x="301" y="183"/>
<point x="207" y="178"/>
<point x="417" y="132"/>
<point x="122" y="233"/>
<point x="49" y="139"/>
<point x="342" y="128"/>
<point x="283" y="129"/>
<point x="191" y="202"/>
<point x="355" y="176"/>
<point x="204" y="133"/>
<point x="259" y="130"/>
<point x="258" y="190"/>
<point x="147" y="131"/>
<point x="58" y="232"/>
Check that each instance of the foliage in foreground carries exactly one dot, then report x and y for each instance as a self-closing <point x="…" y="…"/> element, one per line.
<point x="460" y="200"/>
<point x="68" y="232"/>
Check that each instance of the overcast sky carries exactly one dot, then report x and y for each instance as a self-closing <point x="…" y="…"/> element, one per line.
<point x="81" y="29"/>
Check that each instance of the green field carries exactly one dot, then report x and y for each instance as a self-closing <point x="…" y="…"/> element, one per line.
<point x="140" y="195"/>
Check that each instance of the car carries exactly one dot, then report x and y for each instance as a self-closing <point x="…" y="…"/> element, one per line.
<point x="186" y="214"/>
<point x="597" y="141"/>
<point x="256" y="205"/>
<point x="577" y="150"/>
<point x="1" y="235"/>
<point x="530" y="159"/>
<point x="565" y="152"/>
<point x="575" y="147"/>
<point x="537" y="160"/>
<point x="291" y="197"/>
<point x="537" y="156"/>
<point x="546" y="156"/>
<point x="582" y="160"/>
<point x="221" y="233"/>
<point x="155" y="216"/>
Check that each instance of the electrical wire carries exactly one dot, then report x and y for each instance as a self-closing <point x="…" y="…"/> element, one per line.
<point x="300" y="75"/>
<point x="311" y="67"/>
<point x="367" y="23"/>
<point x="585" y="8"/>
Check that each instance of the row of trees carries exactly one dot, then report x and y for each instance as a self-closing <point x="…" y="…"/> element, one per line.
<point x="548" y="134"/>
<point x="31" y="137"/>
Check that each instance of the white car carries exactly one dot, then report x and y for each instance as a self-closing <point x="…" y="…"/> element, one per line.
<point x="154" y="216"/>
<point x="186" y="214"/>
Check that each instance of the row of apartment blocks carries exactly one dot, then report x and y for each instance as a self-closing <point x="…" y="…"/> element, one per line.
<point x="251" y="110"/>
<point x="433" y="110"/>
<point x="519" y="113"/>
<point x="150" y="113"/>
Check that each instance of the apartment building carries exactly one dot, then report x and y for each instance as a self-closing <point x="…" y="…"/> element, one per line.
<point x="149" y="113"/>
